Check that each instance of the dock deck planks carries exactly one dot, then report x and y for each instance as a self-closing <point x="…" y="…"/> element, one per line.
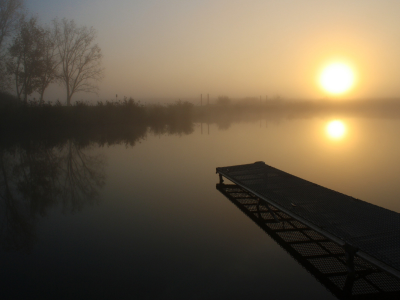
<point x="366" y="230"/>
<point x="323" y="259"/>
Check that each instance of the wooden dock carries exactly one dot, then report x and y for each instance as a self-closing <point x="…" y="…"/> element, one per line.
<point x="361" y="229"/>
<point x="322" y="258"/>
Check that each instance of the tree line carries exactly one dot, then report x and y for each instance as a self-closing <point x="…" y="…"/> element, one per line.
<point x="33" y="56"/>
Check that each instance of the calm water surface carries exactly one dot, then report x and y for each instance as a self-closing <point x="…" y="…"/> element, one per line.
<point x="145" y="221"/>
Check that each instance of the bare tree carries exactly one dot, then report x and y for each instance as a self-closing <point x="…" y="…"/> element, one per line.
<point x="80" y="58"/>
<point x="27" y="53"/>
<point x="10" y="12"/>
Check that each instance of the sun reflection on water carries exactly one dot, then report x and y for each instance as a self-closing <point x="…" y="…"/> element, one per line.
<point x="336" y="129"/>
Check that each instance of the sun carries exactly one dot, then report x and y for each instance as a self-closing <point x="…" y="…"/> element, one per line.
<point x="337" y="78"/>
<point x="336" y="129"/>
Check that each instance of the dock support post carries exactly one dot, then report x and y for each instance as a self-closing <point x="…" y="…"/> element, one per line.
<point x="350" y="251"/>
<point x="221" y="180"/>
<point x="349" y="283"/>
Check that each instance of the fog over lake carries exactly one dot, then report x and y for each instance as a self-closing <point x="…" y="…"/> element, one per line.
<point x="139" y="217"/>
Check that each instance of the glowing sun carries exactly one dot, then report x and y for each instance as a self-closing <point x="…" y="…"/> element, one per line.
<point x="337" y="78"/>
<point x="336" y="129"/>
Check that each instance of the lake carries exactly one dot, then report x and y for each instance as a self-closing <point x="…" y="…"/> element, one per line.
<point x="141" y="218"/>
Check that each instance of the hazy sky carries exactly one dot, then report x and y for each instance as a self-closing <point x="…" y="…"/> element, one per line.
<point x="181" y="48"/>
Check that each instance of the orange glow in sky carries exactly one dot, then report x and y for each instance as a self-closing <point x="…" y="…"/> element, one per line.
<point x="239" y="48"/>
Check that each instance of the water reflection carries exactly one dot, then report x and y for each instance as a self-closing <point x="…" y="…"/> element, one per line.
<point x="146" y="204"/>
<point x="275" y="111"/>
<point x="35" y="178"/>
<point x="43" y="170"/>
<point x="325" y="260"/>
<point x="80" y="176"/>
<point x="336" y="129"/>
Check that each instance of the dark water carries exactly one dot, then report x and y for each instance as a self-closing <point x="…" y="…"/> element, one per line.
<point x="141" y="218"/>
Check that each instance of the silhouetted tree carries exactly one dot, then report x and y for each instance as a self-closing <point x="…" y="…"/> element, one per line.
<point x="10" y="11"/>
<point x="27" y="58"/>
<point x="9" y="14"/>
<point x="80" y="58"/>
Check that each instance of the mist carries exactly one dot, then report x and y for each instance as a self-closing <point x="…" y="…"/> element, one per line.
<point x="247" y="48"/>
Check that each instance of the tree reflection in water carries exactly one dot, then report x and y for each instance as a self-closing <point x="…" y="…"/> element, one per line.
<point x="35" y="178"/>
<point x="40" y="170"/>
<point x="17" y="227"/>
<point x="81" y="176"/>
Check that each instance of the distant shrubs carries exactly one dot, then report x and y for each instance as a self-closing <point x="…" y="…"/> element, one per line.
<point x="173" y="118"/>
<point x="127" y="112"/>
<point x="224" y="100"/>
